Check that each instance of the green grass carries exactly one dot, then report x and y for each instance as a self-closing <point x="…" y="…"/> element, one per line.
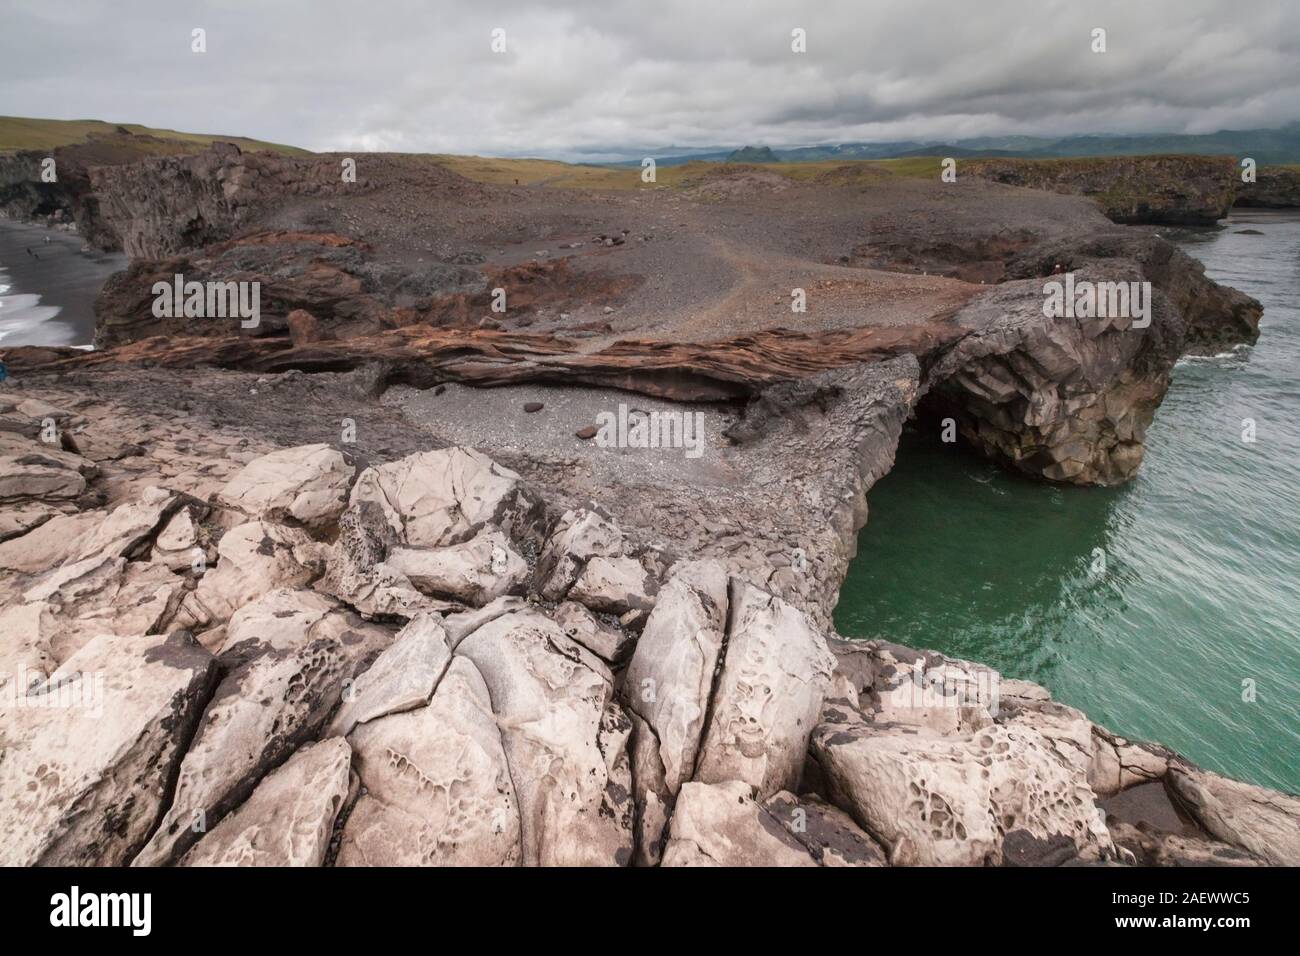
<point x="19" y="132"/>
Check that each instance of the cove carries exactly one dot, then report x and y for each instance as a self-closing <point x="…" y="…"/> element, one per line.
<point x="1198" y="605"/>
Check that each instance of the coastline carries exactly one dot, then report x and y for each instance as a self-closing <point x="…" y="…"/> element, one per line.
<point x="359" y="534"/>
<point x="51" y="293"/>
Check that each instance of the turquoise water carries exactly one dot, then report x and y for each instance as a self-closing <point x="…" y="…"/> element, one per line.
<point x="1201" y="585"/>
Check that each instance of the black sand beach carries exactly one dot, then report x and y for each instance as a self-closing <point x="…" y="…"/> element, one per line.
<point x="47" y="296"/>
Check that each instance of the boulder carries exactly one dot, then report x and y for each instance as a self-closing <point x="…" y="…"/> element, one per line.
<point x="615" y="586"/>
<point x="38" y="477"/>
<point x="261" y="712"/>
<point x="181" y="542"/>
<point x="49" y="544"/>
<point x="608" y="642"/>
<point x="938" y="799"/>
<point x="577" y="537"/>
<point x="128" y="529"/>
<point x="356" y="571"/>
<point x="252" y="559"/>
<point x="828" y="833"/>
<point x="284" y="619"/>
<point x="26" y="648"/>
<point x="289" y="818"/>
<point x="768" y="697"/>
<point x="721" y="825"/>
<point x="85" y="766"/>
<point x="667" y="686"/>
<point x="403" y="677"/>
<point x="926" y="689"/>
<point x="307" y="484"/>
<point x="476" y="571"/>
<point x="438" y="791"/>
<point x="442" y="497"/>
<point x="103" y="595"/>
<point x="564" y="738"/>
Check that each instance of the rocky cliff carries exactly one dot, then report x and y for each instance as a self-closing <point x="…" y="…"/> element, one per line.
<point x="164" y="205"/>
<point x="1167" y="190"/>
<point x="1275" y="187"/>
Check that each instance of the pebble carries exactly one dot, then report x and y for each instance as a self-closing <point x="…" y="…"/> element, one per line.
<point x="586" y="431"/>
<point x="533" y="406"/>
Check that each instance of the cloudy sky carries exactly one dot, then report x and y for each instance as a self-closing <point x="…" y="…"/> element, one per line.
<point x="588" y="80"/>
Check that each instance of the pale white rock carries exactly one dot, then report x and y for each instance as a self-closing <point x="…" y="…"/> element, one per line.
<point x="289" y="818"/>
<point x="952" y="800"/>
<point x="283" y="619"/>
<point x="671" y="672"/>
<point x="578" y="537"/>
<point x="438" y="787"/>
<point x="356" y="571"/>
<point x="74" y="582"/>
<point x="460" y="625"/>
<point x="609" y="643"/>
<point x="36" y="409"/>
<point x="927" y="689"/>
<point x="1264" y="822"/>
<point x="48" y="545"/>
<point x="769" y="696"/>
<point x="441" y="497"/>
<point x="179" y="543"/>
<point x="21" y="517"/>
<point x="252" y="559"/>
<point x="128" y="526"/>
<point x="82" y="783"/>
<point x="651" y="796"/>
<point x="564" y="738"/>
<point x="116" y="597"/>
<point x="475" y="571"/>
<point x="1118" y="764"/>
<point x="261" y="712"/>
<point x="403" y="677"/>
<point x="26" y="651"/>
<point x="38" y="477"/>
<point x="721" y="825"/>
<point x="307" y="483"/>
<point x="615" y="586"/>
<point x="666" y="687"/>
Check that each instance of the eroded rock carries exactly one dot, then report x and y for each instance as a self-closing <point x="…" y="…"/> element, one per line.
<point x="289" y="817"/>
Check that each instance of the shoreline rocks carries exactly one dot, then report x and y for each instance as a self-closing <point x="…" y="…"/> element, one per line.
<point x="718" y="723"/>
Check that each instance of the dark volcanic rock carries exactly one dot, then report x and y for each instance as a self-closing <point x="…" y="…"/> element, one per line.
<point x="1191" y="190"/>
<point x="1275" y="187"/>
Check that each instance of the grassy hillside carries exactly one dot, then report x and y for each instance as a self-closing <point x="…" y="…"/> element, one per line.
<point x="18" y="132"/>
<point x="547" y="172"/>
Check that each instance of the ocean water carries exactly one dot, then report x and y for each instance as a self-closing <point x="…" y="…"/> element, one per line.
<point x="48" y="284"/>
<point x="1190" y="633"/>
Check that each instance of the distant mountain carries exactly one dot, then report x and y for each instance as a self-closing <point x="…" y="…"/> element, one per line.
<point x="753" y="154"/>
<point x="1270" y="147"/>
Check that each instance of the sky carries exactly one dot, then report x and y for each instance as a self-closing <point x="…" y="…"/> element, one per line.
<point x="616" y="79"/>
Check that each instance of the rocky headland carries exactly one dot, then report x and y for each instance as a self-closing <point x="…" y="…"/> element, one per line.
<point x="354" y="590"/>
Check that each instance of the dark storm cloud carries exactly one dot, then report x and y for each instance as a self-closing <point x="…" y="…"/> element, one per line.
<point x="582" y="78"/>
